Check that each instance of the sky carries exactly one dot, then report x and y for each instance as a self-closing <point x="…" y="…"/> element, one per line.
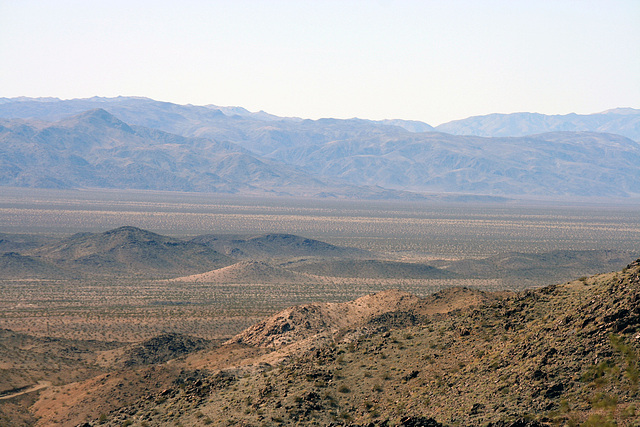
<point x="432" y="61"/>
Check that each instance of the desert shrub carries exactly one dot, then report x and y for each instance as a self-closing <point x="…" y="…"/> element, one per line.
<point x="598" y="420"/>
<point x="629" y="411"/>
<point x="603" y="400"/>
<point x="596" y="373"/>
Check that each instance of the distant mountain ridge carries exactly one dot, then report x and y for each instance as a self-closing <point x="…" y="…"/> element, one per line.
<point x="96" y="149"/>
<point x="620" y="121"/>
<point x="179" y="119"/>
<point x="140" y="143"/>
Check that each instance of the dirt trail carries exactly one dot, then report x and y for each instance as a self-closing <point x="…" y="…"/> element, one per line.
<point x="35" y="387"/>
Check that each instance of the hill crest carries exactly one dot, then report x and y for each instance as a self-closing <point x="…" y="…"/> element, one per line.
<point x="129" y="250"/>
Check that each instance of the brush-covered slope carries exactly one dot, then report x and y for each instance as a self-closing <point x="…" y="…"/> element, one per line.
<point x="29" y="363"/>
<point x="374" y="269"/>
<point x="383" y="309"/>
<point x="22" y="267"/>
<point x="163" y="348"/>
<point x="540" y="268"/>
<point x="274" y="245"/>
<point x="22" y="242"/>
<point x="250" y="272"/>
<point x="130" y="251"/>
<point x="559" y="355"/>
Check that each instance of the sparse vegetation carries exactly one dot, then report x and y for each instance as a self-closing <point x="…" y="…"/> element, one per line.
<point x="562" y="353"/>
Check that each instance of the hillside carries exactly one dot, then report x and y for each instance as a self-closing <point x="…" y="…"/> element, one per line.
<point x="250" y="272"/>
<point x="539" y="268"/>
<point x="19" y="267"/>
<point x="131" y="251"/>
<point x="564" y="354"/>
<point x="374" y="269"/>
<point x="274" y="245"/>
<point x="21" y="242"/>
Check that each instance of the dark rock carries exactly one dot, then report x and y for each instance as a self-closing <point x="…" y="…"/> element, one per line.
<point x="164" y="347"/>
<point x="419" y="422"/>
<point x="518" y="423"/>
<point x="411" y="375"/>
<point x="476" y="408"/>
<point x="554" y="391"/>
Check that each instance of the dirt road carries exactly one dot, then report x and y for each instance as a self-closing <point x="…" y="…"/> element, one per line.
<point x="35" y="387"/>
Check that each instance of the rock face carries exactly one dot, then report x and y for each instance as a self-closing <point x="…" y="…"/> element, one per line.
<point x="300" y="322"/>
<point x="381" y="310"/>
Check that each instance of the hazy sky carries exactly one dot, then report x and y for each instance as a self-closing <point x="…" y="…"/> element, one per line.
<point x="433" y="61"/>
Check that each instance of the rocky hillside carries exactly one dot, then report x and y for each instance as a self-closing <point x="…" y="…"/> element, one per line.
<point x="565" y="354"/>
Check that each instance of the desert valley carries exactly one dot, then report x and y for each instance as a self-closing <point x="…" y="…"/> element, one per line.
<point x="163" y="264"/>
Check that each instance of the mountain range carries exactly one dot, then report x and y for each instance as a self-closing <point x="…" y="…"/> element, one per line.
<point x="96" y="150"/>
<point x="621" y="121"/>
<point x="139" y="143"/>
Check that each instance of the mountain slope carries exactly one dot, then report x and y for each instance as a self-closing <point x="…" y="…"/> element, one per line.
<point x="131" y="251"/>
<point x="274" y="245"/>
<point x="559" y="355"/>
<point x="95" y="149"/>
<point x="250" y="272"/>
<point x="21" y="242"/>
<point x="375" y="269"/>
<point x="537" y="268"/>
<point x="623" y="121"/>
<point x="557" y="164"/>
<point x="19" y="267"/>
<point x="550" y="156"/>
<point x="298" y="323"/>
